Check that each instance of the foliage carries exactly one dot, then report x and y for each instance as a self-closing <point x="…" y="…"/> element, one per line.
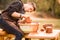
<point x="57" y="10"/>
<point x="42" y="5"/>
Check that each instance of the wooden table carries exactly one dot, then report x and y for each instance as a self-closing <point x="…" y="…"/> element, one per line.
<point x="42" y="35"/>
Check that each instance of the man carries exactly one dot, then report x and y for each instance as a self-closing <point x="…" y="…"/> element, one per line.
<point x="9" y="18"/>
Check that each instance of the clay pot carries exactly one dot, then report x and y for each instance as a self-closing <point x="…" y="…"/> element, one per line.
<point x="35" y="27"/>
<point x="49" y="29"/>
<point x="42" y="29"/>
<point x="3" y="33"/>
<point x="28" y="20"/>
<point x="46" y="25"/>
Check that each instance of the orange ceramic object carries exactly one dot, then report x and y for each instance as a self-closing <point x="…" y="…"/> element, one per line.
<point x="3" y="33"/>
<point x="28" y="20"/>
<point x="46" y="25"/>
<point x="42" y="29"/>
<point x="35" y="27"/>
<point x="49" y="29"/>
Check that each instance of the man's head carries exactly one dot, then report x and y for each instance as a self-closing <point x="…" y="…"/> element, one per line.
<point x="29" y="7"/>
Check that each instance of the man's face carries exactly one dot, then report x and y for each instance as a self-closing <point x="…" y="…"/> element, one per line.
<point x="28" y="7"/>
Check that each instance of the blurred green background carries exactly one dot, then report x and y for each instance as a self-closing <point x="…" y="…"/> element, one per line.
<point x="51" y="7"/>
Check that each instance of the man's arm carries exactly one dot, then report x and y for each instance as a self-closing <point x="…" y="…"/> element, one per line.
<point x="16" y="15"/>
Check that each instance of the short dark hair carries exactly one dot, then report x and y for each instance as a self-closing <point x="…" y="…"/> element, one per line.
<point x="33" y="4"/>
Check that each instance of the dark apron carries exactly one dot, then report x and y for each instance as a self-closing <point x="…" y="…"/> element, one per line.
<point x="9" y="26"/>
